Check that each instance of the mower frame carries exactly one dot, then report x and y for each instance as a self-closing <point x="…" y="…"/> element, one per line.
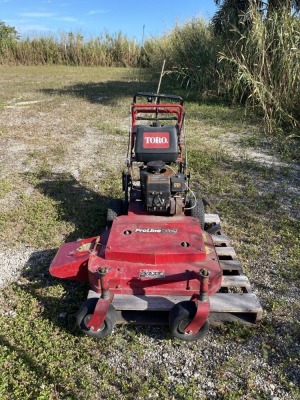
<point x="154" y="246"/>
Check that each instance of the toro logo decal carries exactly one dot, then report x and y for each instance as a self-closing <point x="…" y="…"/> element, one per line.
<point x="159" y="140"/>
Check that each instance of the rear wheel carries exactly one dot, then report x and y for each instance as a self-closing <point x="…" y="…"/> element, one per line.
<point x="85" y="313"/>
<point x="180" y="317"/>
<point x="195" y="208"/>
<point x="115" y="209"/>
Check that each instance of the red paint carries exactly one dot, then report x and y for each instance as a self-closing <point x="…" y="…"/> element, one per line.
<point x="202" y="313"/>
<point x="99" y="314"/>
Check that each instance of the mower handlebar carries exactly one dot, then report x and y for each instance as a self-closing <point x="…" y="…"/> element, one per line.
<point x="151" y="96"/>
<point x="156" y="119"/>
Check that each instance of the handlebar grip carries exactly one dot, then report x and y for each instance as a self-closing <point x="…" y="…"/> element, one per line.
<point x="157" y="96"/>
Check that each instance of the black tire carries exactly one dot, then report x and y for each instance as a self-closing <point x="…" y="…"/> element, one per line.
<point x="179" y="318"/>
<point x="85" y="313"/>
<point x="196" y="211"/>
<point x="115" y="209"/>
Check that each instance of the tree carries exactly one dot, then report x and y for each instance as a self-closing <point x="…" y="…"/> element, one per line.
<point x="228" y="14"/>
<point x="7" y="32"/>
<point x="230" y="11"/>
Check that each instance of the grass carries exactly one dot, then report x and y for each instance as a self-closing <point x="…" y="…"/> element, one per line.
<point x="63" y="164"/>
<point x="70" y="49"/>
<point x="265" y="59"/>
<point x="5" y="187"/>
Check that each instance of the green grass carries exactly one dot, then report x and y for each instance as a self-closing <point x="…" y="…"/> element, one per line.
<point x="5" y="186"/>
<point x="56" y="181"/>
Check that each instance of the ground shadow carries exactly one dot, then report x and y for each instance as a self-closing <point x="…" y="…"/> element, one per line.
<point x="106" y="93"/>
<point x="60" y="310"/>
<point x="86" y="210"/>
<point x="110" y="92"/>
<point x="76" y="204"/>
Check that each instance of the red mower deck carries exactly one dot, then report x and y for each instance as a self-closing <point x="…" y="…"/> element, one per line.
<point x="234" y="302"/>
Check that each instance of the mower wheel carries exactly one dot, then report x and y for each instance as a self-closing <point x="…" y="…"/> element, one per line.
<point x="179" y="318"/>
<point x="197" y="211"/>
<point x="115" y="209"/>
<point x="85" y="313"/>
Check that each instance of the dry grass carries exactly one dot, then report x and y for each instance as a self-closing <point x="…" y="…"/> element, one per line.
<point x="69" y="49"/>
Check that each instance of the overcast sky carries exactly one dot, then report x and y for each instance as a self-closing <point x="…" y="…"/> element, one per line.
<point x="91" y="17"/>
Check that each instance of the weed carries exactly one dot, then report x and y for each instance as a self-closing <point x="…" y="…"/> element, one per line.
<point x="109" y="128"/>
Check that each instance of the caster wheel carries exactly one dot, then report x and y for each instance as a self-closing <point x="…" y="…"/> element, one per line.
<point x="84" y="315"/>
<point x="180" y="317"/>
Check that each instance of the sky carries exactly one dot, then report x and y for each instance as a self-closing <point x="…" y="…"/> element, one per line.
<point x="135" y="18"/>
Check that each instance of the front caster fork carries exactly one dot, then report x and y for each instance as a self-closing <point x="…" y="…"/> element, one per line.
<point x="202" y="304"/>
<point x="101" y="309"/>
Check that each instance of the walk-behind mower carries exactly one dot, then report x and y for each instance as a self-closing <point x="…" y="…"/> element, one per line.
<point x="157" y="248"/>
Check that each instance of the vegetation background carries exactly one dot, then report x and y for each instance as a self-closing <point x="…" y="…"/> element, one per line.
<point x="248" y="54"/>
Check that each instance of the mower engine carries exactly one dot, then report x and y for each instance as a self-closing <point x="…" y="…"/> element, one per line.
<point x="163" y="190"/>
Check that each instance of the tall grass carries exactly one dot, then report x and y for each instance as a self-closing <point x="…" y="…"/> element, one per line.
<point x="265" y="66"/>
<point x="190" y="52"/>
<point x="71" y="49"/>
